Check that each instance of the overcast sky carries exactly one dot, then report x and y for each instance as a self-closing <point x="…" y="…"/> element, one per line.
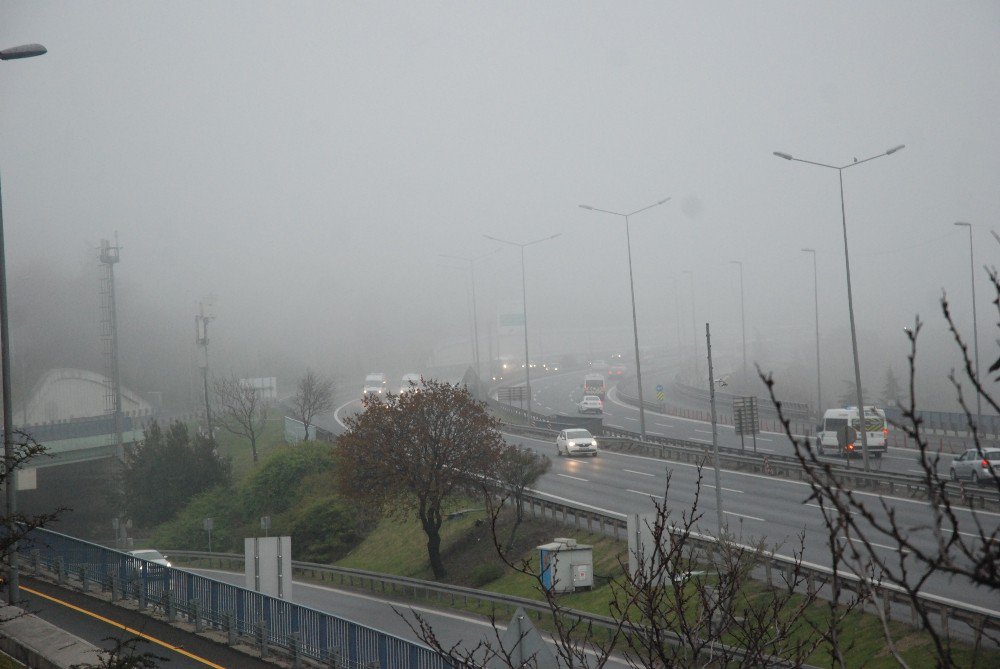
<point x="305" y="162"/>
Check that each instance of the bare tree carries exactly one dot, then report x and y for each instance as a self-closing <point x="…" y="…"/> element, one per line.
<point x="955" y="541"/>
<point x="517" y="468"/>
<point x="242" y="408"/>
<point x="313" y="396"/>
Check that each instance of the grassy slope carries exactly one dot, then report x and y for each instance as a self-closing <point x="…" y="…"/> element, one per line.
<point x="399" y="547"/>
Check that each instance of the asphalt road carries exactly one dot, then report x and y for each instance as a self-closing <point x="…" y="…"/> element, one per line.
<point x="101" y="623"/>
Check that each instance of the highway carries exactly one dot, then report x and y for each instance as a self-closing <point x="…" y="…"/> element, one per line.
<point x="558" y="394"/>
<point x="756" y="506"/>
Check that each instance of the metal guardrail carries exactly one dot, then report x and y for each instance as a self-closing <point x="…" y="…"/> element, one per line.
<point x="786" y="466"/>
<point x="444" y="593"/>
<point x="269" y="623"/>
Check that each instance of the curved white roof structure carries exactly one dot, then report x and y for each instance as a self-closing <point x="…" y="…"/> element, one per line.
<point x="65" y="393"/>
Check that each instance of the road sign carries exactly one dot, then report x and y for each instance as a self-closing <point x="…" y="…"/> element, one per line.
<point x="659" y="395"/>
<point x="659" y="388"/>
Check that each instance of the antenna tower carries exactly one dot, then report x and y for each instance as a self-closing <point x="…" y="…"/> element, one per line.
<point x="109" y="339"/>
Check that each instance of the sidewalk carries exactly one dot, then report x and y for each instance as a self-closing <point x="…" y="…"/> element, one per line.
<point x="37" y="643"/>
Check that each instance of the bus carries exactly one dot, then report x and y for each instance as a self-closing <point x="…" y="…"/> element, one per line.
<point x="593" y="384"/>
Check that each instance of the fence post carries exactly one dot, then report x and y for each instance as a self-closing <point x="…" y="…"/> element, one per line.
<point x="293" y="646"/>
<point x="262" y="637"/>
<point x="36" y="560"/>
<point x="230" y="624"/>
<point x="115" y="588"/>
<point x="171" y="606"/>
<point x="83" y="579"/>
<point x="59" y="570"/>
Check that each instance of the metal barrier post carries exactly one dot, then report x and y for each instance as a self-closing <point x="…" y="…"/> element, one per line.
<point x="60" y="570"/>
<point x="295" y="648"/>
<point x="262" y="638"/>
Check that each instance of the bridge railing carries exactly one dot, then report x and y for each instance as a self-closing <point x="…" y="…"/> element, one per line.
<point x="270" y="623"/>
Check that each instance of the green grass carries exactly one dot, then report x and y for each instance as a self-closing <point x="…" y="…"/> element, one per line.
<point x="238" y="448"/>
<point x="399" y="547"/>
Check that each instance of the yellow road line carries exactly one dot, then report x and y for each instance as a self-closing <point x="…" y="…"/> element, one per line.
<point x="137" y="633"/>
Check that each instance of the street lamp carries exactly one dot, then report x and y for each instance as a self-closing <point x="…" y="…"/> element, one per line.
<point x="850" y="298"/>
<point x="743" y="319"/>
<point x="524" y="308"/>
<point x="975" y="330"/>
<point x="819" y="387"/>
<point x="631" y="283"/>
<point x="475" y="313"/>
<point x="694" y="325"/>
<point x="10" y="475"/>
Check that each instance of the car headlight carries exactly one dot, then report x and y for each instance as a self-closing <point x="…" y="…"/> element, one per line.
<point x="571" y="443"/>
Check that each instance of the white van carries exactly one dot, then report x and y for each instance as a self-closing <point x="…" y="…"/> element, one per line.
<point x="375" y="384"/>
<point x="828" y="443"/>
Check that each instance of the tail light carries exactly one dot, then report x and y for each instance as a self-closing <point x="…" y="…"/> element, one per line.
<point x="986" y="464"/>
<point x="885" y="432"/>
<point x="850" y="447"/>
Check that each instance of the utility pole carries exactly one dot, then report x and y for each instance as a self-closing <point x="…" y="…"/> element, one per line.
<point x="201" y="339"/>
<point x="715" y="432"/>
<point x="109" y="334"/>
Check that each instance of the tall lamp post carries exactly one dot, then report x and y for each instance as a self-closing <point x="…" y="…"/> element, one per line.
<point x="694" y="325"/>
<point x="743" y="319"/>
<point x="524" y="307"/>
<point x="819" y="387"/>
<point x="975" y="329"/>
<point x="475" y="312"/>
<point x="9" y="457"/>
<point x="631" y="283"/>
<point x="850" y="298"/>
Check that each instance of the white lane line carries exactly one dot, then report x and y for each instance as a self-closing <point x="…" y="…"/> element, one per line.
<point x="704" y="441"/>
<point x="644" y="494"/>
<point x="763" y="439"/>
<point x="894" y="549"/>
<point x="575" y="478"/>
<point x="828" y="508"/>
<point x="663" y="425"/>
<point x="704" y="431"/>
<point x="656" y="433"/>
<point x="741" y="515"/>
<point x="632" y="471"/>
<point x="709" y="485"/>
<point x="630" y="418"/>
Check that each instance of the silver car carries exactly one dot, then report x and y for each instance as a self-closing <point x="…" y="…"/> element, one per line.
<point x="975" y="465"/>
<point x="576" y="442"/>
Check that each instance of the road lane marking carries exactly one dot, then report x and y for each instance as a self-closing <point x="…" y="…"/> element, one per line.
<point x="826" y="508"/>
<point x="644" y="494"/>
<point x="741" y="515"/>
<point x="654" y="432"/>
<point x="575" y="478"/>
<point x="704" y="431"/>
<point x="632" y="471"/>
<point x="709" y="485"/>
<point x="630" y="418"/>
<point x="894" y="549"/>
<point x="704" y="441"/>
<point x="125" y="628"/>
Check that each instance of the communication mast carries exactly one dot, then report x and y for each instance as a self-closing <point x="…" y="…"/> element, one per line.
<point x="109" y="339"/>
<point x="201" y="321"/>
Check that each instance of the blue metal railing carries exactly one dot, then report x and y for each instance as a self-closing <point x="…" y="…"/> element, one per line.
<point x="272" y="623"/>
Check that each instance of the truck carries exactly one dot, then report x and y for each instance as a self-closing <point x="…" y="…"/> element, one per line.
<point x="593" y="384"/>
<point x="832" y="437"/>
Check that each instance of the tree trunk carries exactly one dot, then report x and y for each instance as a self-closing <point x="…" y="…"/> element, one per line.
<point x="253" y="448"/>
<point x="431" y="521"/>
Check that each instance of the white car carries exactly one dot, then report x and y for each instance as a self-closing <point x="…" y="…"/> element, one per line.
<point x="408" y="379"/>
<point x="590" y="404"/>
<point x="575" y="441"/>
<point x="975" y="465"/>
<point x="150" y="555"/>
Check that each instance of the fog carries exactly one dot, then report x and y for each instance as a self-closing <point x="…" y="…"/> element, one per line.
<point x="306" y="163"/>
